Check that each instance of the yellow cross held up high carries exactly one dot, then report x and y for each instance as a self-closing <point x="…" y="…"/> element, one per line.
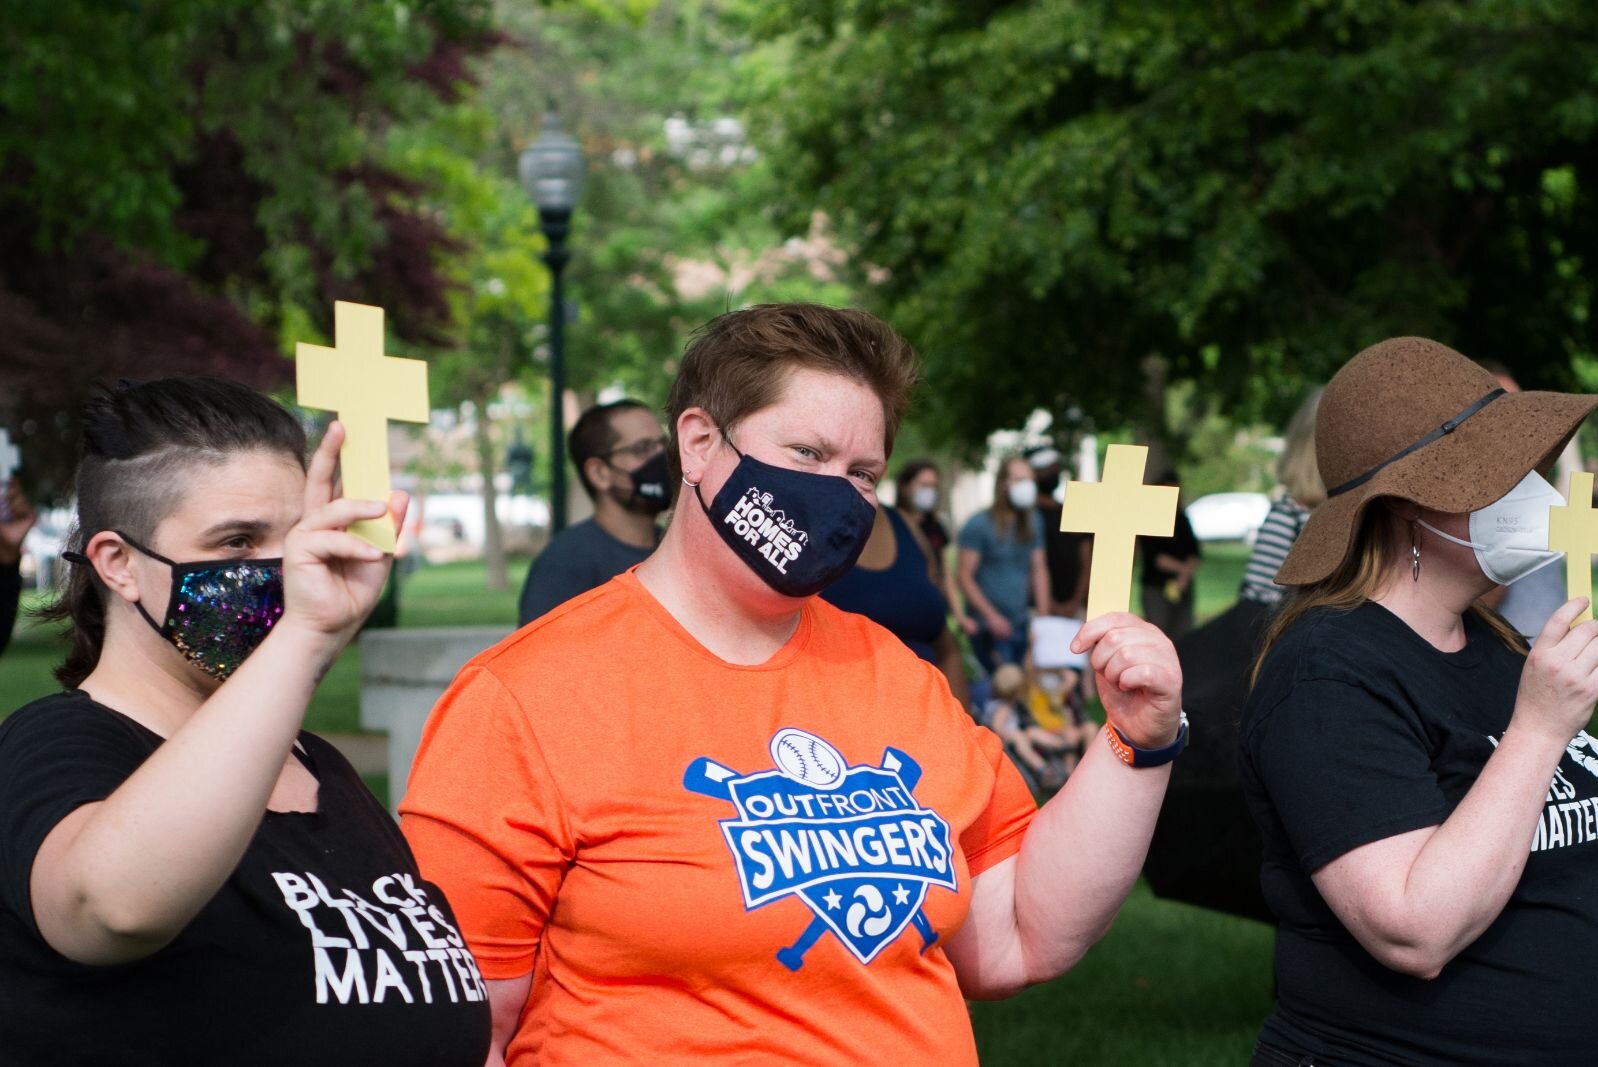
<point x="1117" y="511"/>
<point x="1573" y="530"/>
<point x="366" y="389"/>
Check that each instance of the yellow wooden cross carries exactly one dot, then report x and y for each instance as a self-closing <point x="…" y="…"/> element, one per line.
<point x="366" y="389"/>
<point x="1573" y="530"/>
<point x="1117" y="511"/>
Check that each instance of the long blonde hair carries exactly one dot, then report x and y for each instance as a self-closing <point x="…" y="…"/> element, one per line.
<point x="1364" y="572"/>
<point x="1297" y="469"/>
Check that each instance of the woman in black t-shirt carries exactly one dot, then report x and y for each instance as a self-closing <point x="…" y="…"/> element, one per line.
<point x="186" y="877"/>
<point x="1400" y="751"/>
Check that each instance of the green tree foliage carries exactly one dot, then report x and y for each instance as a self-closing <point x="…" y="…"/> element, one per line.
<point x="186" y="184"/>
<point x="1052" y="190"/>
<point x="499" y="289"/>
<point x="674" y="188"/>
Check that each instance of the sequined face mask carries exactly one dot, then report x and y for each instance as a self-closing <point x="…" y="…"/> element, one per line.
<point x="219" y="610"/>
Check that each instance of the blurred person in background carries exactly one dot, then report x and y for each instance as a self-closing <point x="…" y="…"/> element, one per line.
<point x="1169" y="565"/>
<point x="619" y="453"/>
<point x="16" y="519"/>
<point x="1207" y="850"/>
<point x="1299" y="491"/>
<point x="895" y="584"/>
<point x="1068" y="554"/>
<point x="918" y="497"/>
<point x="1002" y="567"/>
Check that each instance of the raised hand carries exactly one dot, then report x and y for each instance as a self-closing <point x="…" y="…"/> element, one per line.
<point x="1139" y="677"/>
<point x="1559" y="684"/>
<point x="331" y="578"/>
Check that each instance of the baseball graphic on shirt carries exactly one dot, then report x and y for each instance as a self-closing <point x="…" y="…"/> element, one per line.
<point x="806" y="758"/>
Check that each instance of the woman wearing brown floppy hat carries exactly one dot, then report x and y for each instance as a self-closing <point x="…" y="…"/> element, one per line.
<point x="1426" y="791"/>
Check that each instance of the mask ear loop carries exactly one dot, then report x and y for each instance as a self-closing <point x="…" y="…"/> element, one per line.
<point x="171" y="566"/>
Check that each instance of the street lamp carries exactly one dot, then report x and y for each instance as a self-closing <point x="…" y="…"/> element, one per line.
<point x="519" y="465"/>
<point x="552" y="172"/>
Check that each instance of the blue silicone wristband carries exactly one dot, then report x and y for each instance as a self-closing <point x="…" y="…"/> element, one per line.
<point x="1146" y="757"/>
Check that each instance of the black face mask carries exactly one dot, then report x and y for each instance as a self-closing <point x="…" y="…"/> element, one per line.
<point x="651" y="493"/>
<point x="1047" y="483"/>
<point x="798" y="531"/>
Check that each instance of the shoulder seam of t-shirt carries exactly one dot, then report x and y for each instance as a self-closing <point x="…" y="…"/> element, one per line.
<point x="553" y="615"/>
<point x="1254" y="722"/>
<point x="1390" y="827"/>
<point x="547" y="774"/>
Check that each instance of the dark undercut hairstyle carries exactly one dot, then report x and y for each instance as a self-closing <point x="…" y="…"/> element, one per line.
<point x="594" y="435"/>
<point x="738" y="363"/>
<point x="140" y="440"/>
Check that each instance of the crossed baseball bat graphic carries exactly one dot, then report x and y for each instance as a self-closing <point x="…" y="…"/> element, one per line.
<point x="708" y="778"/>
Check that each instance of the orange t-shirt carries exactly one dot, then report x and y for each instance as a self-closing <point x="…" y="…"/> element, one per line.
<point x="753" y="864"/>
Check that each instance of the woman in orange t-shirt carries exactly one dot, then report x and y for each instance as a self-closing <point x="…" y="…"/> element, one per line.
<point x="697" y="813"/>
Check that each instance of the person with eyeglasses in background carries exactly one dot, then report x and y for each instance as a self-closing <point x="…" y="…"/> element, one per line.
<point x="619" y="451"/>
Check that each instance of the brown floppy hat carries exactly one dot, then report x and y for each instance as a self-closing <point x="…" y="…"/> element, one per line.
<point x="1413" y="419"/>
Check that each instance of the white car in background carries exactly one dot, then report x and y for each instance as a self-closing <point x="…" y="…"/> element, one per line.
<point x="1228" y="516"/>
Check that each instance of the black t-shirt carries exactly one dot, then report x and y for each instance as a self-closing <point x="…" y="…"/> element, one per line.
<point x="1181" y="545"/>
<point x="1062" y="552"/>
<point x="581" y="557"/>
<point x="324" y="947"/>
<point x="1360" y="730"/>
<point x="935" y="532"/>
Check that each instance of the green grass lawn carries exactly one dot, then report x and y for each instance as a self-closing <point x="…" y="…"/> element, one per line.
<point x="1171" y="985"/>
<point x="1218" y="577"/>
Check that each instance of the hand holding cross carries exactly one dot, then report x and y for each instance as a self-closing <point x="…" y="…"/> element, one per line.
<point x="366" y="389"/>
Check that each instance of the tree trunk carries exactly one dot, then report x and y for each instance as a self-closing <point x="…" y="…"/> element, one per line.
<point x="497" y="580"/>
<point x="1156" y="429"/>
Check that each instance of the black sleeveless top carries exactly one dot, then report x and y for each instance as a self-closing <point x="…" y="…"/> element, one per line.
<point x="900" y="598"/>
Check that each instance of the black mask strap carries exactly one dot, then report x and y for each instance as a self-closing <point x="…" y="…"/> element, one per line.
<point x="79" y="558"/>
<point x="701" y="496"/>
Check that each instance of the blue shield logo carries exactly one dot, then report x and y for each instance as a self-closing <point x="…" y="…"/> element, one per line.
<point x="851" y="842"/>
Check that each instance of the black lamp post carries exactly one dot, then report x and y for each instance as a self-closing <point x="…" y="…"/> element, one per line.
<point x="552" y="172"/>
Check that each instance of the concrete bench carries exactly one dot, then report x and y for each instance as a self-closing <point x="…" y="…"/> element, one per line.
<point x="403" y="673"/>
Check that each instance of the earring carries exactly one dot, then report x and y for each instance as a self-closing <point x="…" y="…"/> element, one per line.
<point x="1414" y="554"/>
<point x="691" y="485"/>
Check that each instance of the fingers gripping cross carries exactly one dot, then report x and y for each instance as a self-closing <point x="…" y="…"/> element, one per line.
<point x="366" y="389"/>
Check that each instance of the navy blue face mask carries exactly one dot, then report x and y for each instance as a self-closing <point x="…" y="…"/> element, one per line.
<point x="798" y="531"/>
